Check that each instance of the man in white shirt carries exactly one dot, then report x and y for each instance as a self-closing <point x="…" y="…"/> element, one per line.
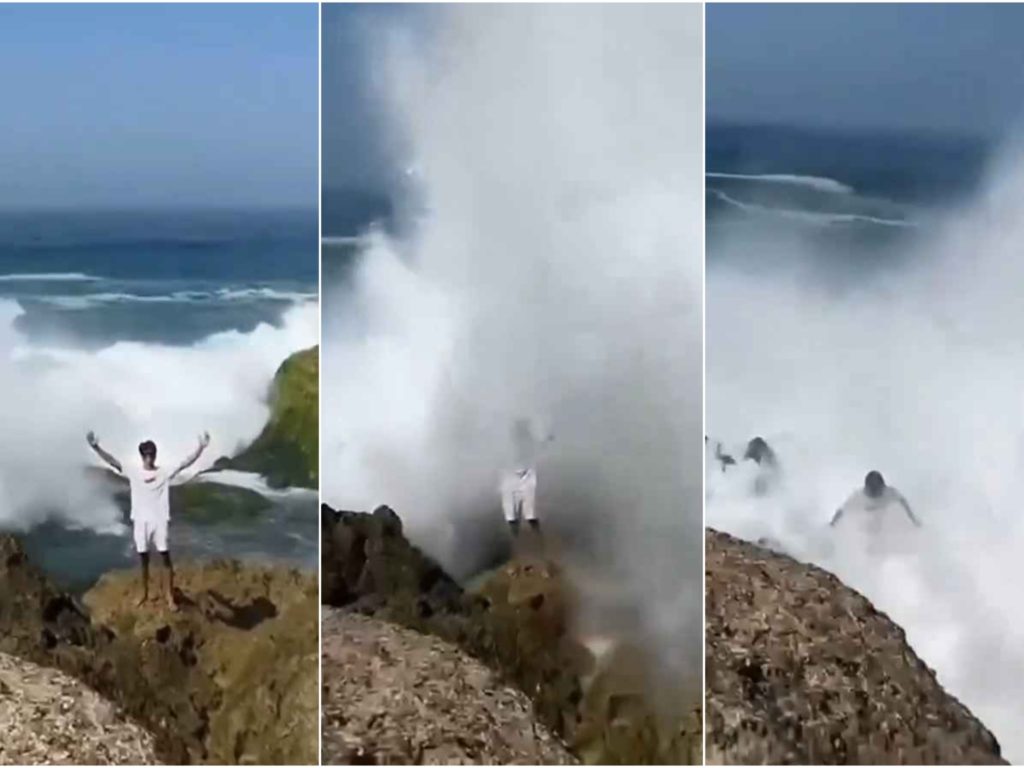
<point x="519" y="482"/>
<point x="767" y="462"/>
<point x="873" y="503"/>
<point x="150" y="505"/>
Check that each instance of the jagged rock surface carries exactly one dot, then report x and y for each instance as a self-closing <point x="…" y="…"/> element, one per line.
<point x="801" y="669"/>
<point x="394" y="696"/>
<point x="517" y="621"/>
<point x="231" y="677"/>
<point x="49" y="718"/>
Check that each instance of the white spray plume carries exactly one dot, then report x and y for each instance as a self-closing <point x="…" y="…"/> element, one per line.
<point x="555" y="274"/>
<point x="915" y="369"/>
<point x="127" y="392"/>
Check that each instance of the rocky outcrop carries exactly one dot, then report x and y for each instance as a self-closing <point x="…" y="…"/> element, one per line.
<point x="49" y="718"/>
<point x="518" y="621"/>
<point x="230" y="677"/>
<point x="393" y="696"/>
<point x="243" y="648"/>
<point x="286" y="452"/>
<point x="801" y="669"/>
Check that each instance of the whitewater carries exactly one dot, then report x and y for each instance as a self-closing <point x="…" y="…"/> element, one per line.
<point x="914" y="369"/>
<point x="553" y="272"/>
<point x="51" y="395"/>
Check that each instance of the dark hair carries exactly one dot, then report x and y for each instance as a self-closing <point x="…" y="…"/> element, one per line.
<point x="874" y="481"/>
<point x="758" y="450"/>
<point x="147" y="448"/>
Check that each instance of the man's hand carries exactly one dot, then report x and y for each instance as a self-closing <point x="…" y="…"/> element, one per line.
<point x="94" y="443"/>
<point x="204" y="440"/>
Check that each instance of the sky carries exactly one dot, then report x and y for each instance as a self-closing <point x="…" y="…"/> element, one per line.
<point x="940" y="67"/>
<point x="185" y="105"/>
<point x="355" y="145"/>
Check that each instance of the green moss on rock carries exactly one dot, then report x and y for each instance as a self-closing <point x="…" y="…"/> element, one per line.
<point x="286" y="452"/>
<point x="202" y="502"/>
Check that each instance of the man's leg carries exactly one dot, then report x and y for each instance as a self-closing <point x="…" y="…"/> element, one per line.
<point x="508" y="505"/>
<point x="142" y="547"/>
<point x="169" y="569"/>
<point x="165" y="555"/>
<point x="529" y="493"/>
<point x="144" y="557"/>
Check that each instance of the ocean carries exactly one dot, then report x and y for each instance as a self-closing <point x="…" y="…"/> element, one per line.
<point x="855" y="198"/>
<point x="863" y="313"/>
<point x="145" y="324"/>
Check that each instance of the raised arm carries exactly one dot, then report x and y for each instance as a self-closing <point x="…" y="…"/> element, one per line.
<point x="204" y="440"/>
<point x="94" y="443"/>
<point x="910" y="514"/>
<point x="836" y="516"/>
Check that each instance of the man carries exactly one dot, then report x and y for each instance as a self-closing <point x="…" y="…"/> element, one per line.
<point x="519" y="483"/>
<point x="150" y="505"/>
<point x="761" y="454"/>
<point x="875" y="500"/>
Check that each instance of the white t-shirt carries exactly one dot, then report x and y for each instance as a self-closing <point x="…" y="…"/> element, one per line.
<point x="526" y="447"/>
<point x="873" y="513"/>
<point x="150" y="493"/>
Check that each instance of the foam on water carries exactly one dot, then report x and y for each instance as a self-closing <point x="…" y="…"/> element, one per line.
<point x="814" y="182"/>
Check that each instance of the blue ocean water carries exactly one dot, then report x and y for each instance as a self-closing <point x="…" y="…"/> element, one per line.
<point x="154" y="276"/>
<point x="853" y="199"/>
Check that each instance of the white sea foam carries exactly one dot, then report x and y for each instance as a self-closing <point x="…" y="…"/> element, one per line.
<point x="128" y="392"/>
<point x="818" y="218"/>
<point x="51" y="277"/>
<point x="819" y="183"/>
<point x="91" y="300"/>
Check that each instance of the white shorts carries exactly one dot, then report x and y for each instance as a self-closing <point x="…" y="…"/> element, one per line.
<point x="518" y="495"/>
<point x="147" y="531"/>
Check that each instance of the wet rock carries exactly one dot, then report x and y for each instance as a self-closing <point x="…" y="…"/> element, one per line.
<point x="801" y="669"/>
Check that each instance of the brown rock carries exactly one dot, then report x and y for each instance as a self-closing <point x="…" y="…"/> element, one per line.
<point x="393" y="696"/>
<point x="801" y="669"/>
<point x="49" y="718"/>
<point x="231" y="677"/>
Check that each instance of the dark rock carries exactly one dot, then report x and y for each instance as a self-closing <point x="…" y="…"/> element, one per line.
<point x="800" y="669"/>
<point x="517" y="620"/>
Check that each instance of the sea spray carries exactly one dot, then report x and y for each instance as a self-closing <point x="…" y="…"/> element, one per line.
<point x="127" y="392"/>
<point x="911" y="365"/>
<point x="554" y="272"/>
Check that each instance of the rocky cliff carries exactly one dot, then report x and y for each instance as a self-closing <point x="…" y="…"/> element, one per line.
<point x="801" y="669"/>
<point x="518" y="621"/>
<point x="286" y="452"/>
<point x="230" y="677"/>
